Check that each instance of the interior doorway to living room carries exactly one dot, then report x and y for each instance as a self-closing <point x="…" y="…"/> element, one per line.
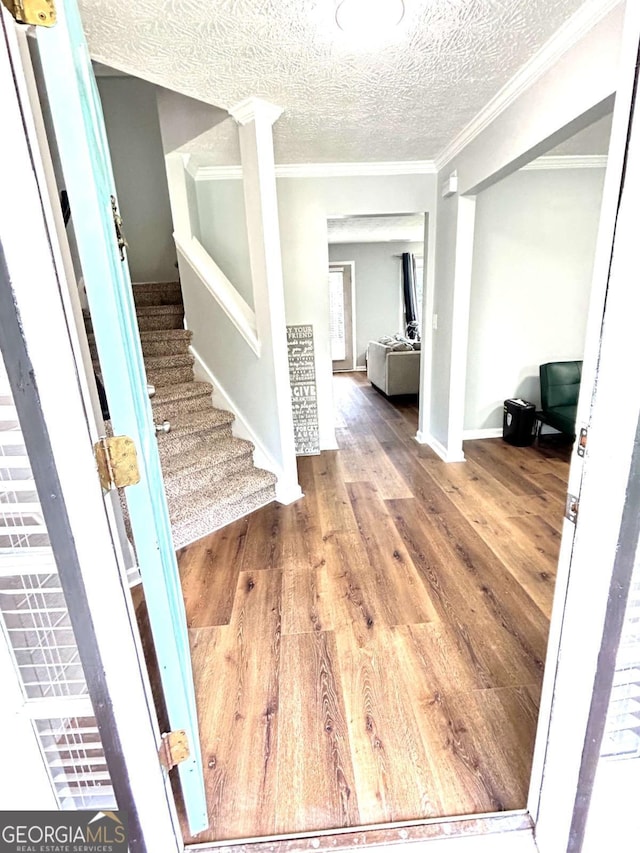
<point x="369" y="296"/>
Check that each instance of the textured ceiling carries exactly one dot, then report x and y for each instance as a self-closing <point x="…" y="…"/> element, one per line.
<point x="408" y="228"/>
<point x="403" y="98"/>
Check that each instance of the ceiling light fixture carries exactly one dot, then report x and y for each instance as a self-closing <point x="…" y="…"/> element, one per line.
<point x="369" y="17"/>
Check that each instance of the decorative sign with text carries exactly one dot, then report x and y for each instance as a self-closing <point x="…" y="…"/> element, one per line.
<point x="302" y="375"/>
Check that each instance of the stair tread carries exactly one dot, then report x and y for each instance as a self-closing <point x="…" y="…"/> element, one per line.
<point x="197" y="504"/>
<point x="156" y="335"/>
<point x="162" y="362"/>
<point x="182" y="391"/>
<point x="187" y="532"/>
<point x="209" y="453"/>
<point x="192" y="422"/>
<point x="165" y="334"/>
<point x="157" y="293"/>
<point x="156" y="287"/>
<point x="153" y="310"/>
<point x="182" y="484"/>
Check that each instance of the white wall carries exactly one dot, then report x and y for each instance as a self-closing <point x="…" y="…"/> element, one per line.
<point x="239" y="373"/>
<point x="535" y="239"/>
<point x="223" y="232"/>
<point x="378" y="288"/>
<point x="133" y="132"/>
<point x="305" y="204"/>
<point x="567" y="97"/>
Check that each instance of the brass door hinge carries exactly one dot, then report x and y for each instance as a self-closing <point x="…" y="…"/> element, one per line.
<point x="39" y="13"/>
<point x="174" y="749"/>
<point x="117" y="462"/>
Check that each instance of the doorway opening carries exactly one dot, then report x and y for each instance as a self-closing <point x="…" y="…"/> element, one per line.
<point x="302" y="607"/>
<point x="342" y="317"/>
<point x="270" y="709"/>
<point x="396" y="562"/>
<point x="312" y="606"/>
<point x="369" y="250"/>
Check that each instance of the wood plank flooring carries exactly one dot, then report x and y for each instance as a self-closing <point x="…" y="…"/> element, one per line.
<point x="374" y="652"/>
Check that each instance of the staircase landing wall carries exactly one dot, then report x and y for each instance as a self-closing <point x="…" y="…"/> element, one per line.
<point x="243" y="379"/>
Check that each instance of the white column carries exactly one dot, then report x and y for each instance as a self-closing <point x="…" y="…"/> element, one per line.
<point x="255" y="118"/>
<point x="460" y="325"/>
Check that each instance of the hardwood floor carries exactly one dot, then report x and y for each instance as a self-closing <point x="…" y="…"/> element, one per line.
<point x="374" y="652"/>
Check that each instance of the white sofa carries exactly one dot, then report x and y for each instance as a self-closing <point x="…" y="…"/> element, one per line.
<point x="393" y="371"/>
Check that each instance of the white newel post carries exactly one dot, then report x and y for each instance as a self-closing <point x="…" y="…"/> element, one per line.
<point x="255" y="119"/>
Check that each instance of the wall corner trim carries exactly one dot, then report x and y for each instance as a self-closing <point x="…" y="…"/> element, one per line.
<point x="288" y="493"/>
<point x="437" y="447"/>
<point x="578" y="25"/>
<point x="255" y="109"/>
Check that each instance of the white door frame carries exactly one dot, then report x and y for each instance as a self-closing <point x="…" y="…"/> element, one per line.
<point x="92" y="571"/>
<point x="334" y="266"/>
<point x="578" y="630"/>
<point x="586" y="573"/>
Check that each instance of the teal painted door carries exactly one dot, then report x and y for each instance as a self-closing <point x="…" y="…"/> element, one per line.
<point x="81" y="141"/>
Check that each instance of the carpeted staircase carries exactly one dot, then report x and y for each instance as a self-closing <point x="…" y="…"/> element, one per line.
<point x="209" y="476"/>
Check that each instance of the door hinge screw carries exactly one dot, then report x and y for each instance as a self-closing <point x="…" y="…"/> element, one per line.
<point x="571" y="508"/>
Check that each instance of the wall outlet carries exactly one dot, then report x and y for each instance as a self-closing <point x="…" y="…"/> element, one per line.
<point x="434" y="321"/>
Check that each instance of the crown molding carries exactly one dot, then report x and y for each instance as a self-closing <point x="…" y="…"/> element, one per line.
<point x="347" y="170"/>
<point x="408" y="167"/>
<point x="255" y="109"/>
<point x="217" y="173"/>
<point x="322" y="170"/>
<point x="569" y="161"/>
<point x="578" y="25"/>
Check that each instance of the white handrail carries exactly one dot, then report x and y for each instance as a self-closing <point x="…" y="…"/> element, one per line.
<point x="221" y="289"/>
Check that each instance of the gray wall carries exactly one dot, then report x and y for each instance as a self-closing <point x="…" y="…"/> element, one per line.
<point x="223" y="232"/>
<point x="533" y="257"/>
<point x="133" y="132"/>
<point x="378" y="288"/>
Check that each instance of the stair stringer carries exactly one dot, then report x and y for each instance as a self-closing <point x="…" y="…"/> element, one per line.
<point x="286" y="492"/>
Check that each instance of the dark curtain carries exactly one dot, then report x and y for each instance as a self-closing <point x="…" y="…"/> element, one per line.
<point x="409" y="290"/>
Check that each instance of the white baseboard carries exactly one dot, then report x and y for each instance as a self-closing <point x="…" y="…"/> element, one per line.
<point x="496" y="432"/>
<point x="439" y="448"/>
<point x="485" y="432"/>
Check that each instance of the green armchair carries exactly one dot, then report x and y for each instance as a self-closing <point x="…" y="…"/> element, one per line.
<point x="559" y="390"/>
